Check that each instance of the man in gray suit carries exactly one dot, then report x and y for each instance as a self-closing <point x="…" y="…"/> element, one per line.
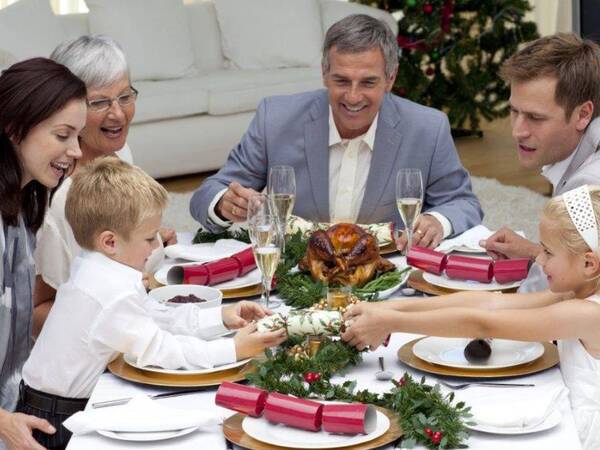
<point x="346" y="144"/>
<point x="555" y="104"/>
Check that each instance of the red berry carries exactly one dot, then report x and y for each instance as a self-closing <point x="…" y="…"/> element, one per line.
<point x="309" y="377"/>
<point x="428" y="432"/>
<point x="402" y="381"/>
<point x="437" y="437"/>
<point x="316" y="376"/>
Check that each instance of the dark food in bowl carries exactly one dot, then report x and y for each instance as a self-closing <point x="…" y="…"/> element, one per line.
<point x="186" y="299"/>
<point x="478" y="350"/>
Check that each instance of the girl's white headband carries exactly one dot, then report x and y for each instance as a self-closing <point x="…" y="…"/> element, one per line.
<point x="579" y="205"/>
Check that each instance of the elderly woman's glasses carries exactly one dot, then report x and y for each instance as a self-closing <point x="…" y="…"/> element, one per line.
<point x="104" y="104"/>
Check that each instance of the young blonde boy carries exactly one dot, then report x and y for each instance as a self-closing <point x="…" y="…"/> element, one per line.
<point x="115" y="211"/>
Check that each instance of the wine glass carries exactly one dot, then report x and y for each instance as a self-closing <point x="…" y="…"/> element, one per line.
<point x="409" y="198"/>
<point x="258" y="206"/>
<point x="282" y="193"/>
<point x="266" y="246"/>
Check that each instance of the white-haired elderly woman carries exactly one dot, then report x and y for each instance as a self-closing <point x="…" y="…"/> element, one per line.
<point x="101" y="64"/>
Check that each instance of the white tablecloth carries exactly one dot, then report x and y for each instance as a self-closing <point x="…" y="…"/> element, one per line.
<point x="109" y="387"/>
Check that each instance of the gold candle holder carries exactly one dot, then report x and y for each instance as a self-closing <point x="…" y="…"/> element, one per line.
<point x="337" y="298"/>
<point x="313" y="343"/>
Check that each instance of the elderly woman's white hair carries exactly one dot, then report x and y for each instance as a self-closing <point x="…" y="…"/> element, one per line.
<point x="97" y="59"/>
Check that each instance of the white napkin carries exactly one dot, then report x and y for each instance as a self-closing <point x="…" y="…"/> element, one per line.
<point x="141" y="414"/>
<point x="206" y="252"/>
<point x="469" y="240"/>
<point x="517" y="407"/>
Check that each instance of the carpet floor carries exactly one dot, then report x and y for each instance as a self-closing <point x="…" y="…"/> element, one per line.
<point x="516" y="207"/>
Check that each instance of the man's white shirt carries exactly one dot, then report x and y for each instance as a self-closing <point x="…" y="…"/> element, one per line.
<point x="103" y="310"/>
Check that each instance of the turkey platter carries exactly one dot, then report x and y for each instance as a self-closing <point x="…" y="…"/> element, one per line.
<point x="344" y="254"/>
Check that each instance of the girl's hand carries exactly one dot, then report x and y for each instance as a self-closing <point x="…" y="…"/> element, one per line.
<point x="242" y="313"/>
<point x="249" y="342"/>
<point x="366" y="326"/>
<point x="16" y="430"/>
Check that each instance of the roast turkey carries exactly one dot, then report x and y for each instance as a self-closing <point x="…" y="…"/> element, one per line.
<point x="344" y="254"/>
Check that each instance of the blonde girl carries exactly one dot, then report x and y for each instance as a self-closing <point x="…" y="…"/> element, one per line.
<point x="569" y="312"/>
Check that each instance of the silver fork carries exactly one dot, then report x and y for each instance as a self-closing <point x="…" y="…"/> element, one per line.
<point x="459" y="386"/>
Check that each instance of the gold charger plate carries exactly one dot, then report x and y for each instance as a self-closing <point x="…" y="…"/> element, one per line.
<point x="123" y="370"/>
<point x="232" y="429"/>
<point x="228" y="294"/>
<point x="546" y="361"/>
<point x="416" y="281"/>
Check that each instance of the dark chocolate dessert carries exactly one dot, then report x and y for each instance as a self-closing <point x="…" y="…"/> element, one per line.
<point x="478" y="350"/>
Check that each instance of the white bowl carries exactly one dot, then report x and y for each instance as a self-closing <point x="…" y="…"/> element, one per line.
<point x="212" y="296"/>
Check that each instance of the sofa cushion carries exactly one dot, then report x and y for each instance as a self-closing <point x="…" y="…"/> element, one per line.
<point x="334" y="10"/>
<point x="235" y="91"/>
<point x="168" y="99"/>
<point x="205" y="35"/>
<point x="154" y="34"/>
<point x="29" y="28"/>
<point x="263" y="34"/>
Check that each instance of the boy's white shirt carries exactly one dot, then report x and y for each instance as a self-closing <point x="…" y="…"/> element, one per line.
<point x="103" y="310"/>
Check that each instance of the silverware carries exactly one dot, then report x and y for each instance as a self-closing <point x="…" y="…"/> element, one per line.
<point x="122" y="401"/>
<point x="383" y="375"/>
<point x="459" y="386"/>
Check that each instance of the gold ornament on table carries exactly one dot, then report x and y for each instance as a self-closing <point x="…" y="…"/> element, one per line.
<point x="298" y="352"/>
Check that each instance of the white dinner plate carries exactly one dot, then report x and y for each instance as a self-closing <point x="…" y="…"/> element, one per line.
<point x="252" y="278"/>
<point x="146" y="436"/>
<point x="262" y="430"/>
<point x="131" y="361"/>
<point x="209" y="251"/>
<point x="553" y="419"/>
<point x="450" y="352"/>
<point x="466" y="285"/>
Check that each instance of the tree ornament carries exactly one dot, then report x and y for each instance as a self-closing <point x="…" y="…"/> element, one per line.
<point x="411" y="3"/>
<point x="435" y="55"/>
<point x="427" y="8"/>
<point x="429" y="71"/>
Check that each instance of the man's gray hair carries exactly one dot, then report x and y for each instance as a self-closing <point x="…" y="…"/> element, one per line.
<point x="358" y="33"/>
<point x="98" y="60"/>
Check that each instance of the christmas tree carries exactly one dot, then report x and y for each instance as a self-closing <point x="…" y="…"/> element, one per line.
<point x="451" y="51"/>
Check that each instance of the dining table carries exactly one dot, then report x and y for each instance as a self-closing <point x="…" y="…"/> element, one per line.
<point x="109" y="387"/>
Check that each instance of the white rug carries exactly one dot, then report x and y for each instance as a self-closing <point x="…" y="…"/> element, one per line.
<point x="515" y="207"/>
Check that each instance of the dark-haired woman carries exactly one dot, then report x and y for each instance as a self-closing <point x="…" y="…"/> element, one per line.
<point x="42" y="112"/>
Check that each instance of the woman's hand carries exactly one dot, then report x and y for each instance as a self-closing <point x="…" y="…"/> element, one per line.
<point x="367" y="326"/>
<point x="16" y="430"/>
<point x="249" y="342"/>
<point x="242" y="313"/>
<point x="168" y="236"/>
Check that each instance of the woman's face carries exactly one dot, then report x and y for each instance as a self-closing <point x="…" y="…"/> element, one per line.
<point x="50" y="148"/>
<point x="106" y="132"/>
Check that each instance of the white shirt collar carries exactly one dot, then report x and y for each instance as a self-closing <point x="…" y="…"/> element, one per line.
<point x="124" y="272"/>
<point x="554" y="172"/>
<point x="368" y="138"/>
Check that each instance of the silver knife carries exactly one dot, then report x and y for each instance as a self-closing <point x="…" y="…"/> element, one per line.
<point x="122" y="401"/>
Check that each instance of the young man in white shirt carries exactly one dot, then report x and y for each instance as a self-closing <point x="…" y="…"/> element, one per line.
<point x="115" y="211"/>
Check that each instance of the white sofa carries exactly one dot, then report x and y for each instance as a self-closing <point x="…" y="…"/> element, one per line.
<point x="189" y="124"/>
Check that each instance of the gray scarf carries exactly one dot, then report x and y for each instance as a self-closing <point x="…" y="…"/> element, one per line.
<point x="17" y="277"/>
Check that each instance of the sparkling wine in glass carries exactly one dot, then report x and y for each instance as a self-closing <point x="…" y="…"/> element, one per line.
<point x="409" y="198"/>
<point x="282" y="194"/>
<point x="266" y="246"/>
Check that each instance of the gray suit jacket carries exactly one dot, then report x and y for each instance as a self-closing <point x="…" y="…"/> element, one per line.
<point x="294" y="130"/>
<point x="584" y="169"/>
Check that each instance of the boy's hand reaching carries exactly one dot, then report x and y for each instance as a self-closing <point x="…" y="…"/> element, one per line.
<point x="242" y="313"/>
<point x="249" y="342"/>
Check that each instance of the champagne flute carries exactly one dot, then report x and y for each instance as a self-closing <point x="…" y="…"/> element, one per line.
<point x="409" y="198"/>
<point x="258" y="206"/>
<point x="266" y="246"/>
<point x="282" y="193"/>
